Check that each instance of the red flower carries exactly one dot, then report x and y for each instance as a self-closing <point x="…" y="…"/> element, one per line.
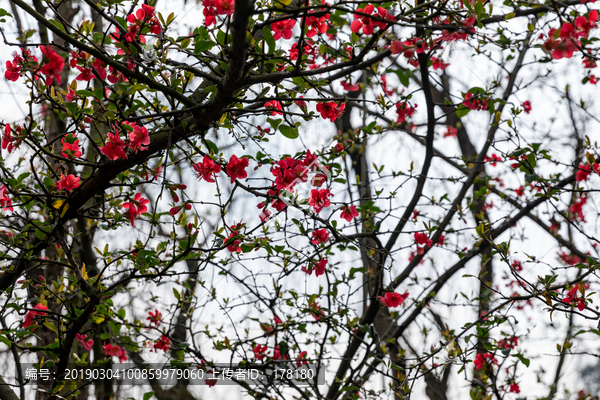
<point x="320" y="236"/>
<point x="236" y="168"/>
<point x="526" y="106"/>
<point x="301" y="359"/>
<point x="53" y="66"/>
<point x="155" y="318"/>
<point x="350" y="87"/>
<point x="451" y="132"/>
<point x="437" y="63"/>
<point x="206" y="169"/>
<point x="70" y="144"/>
<point x="583" y="172"/>
<point x="319" y="199"/>
<point x="209" y="12"/>
<point x="5" y="202"/>
<point x="330" y="110"/>
<point x="283" y="29"/>
<point x="234" y="245"/>
<point x="520" y="191"/>
<point x="259" y="351"/>
<point x="572" y="298"/>
<point x="67" y="182"/>
<point x="404" y="110"/>
<point x="301" y="103"/>
<point x="514" y="388"/>
<point x="569" y="259"/>
<point x="224" y="7"/>
<point x="316" y="25"/>
<point x="517" y="266"/>
<point x="577" y="209"/>
<point x="365" y="23"/>
<point x="440" y="241"/>
<point x="275" y="105"/>
<point x="13" y="69"/>
<point x="8" y="141"/>
<point x="86" y="344"/>
<point x="30" y="316"/>
<point x="320" y="267"/>
<point x="349" y="213"/>
<point x="210" y="382"/>
<point x="163" y="343"/>
<point x="422" y="239"/>
<point x="135" y="207"/>
<point x="393" y="299"/>
<point x="493" y="160"/>
<point x="510" y="343"/>
<point x="144" y="16"/>
<point x="589" y="63"/>
<point x="100" y="67"/>
<point x="110" y="351"/>
<point x="475" y="103"/>
<point x="139" y="139"/>
<point x="480" y="360"/>
<point x="114" y="148"/>
<point x="85" y="75"/>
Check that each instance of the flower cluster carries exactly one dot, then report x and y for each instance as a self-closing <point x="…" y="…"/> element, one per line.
<point x="482" y="359"/>
<point x="5" y="202"/>
<point x="53" y="65"/>
<point x="212" y="8"/>
<point x="368" y="24"/>
<point x="87" y="344"/>
<point x="38" y="311"/>
<point x="563" y="42"/>
<point x="403" y="109"/>
<point x="234" y="240"/>
<point x="163" y="343"/>
<point x="572" y="297"/>
<point x="317" y="266"/>
<point x="475" y="102"/>
<point x="143" y="17"/>
<point x="70" y="144"/>
<point x="114" y="350"/>
<point x="135" y="207"/>
<point x="155" y="318"/>
<point x="10" y="142"/>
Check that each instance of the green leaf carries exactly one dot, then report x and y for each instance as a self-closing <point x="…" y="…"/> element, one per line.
<point x="462" y="110"/>
<point x="5" y="341"/>
<point x="57" y="24"/>
<point x="288" y="132"/>
<point x="246" y="248"/>
<point x="4" y="13"/>
<point x="84" y="93"/>
<point x="211" y="146"/>
<point x="268" y="35"/>
<point x="39" y="234"/>
<point x="176" y="293"/>
<point x="50" y="326"/>
<point x="148" y="395"/>
<point x="203" y="45"/>
<point x="524" y="360"/>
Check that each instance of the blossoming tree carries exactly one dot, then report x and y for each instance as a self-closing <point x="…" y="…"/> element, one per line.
<point x="325" y="182"/>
